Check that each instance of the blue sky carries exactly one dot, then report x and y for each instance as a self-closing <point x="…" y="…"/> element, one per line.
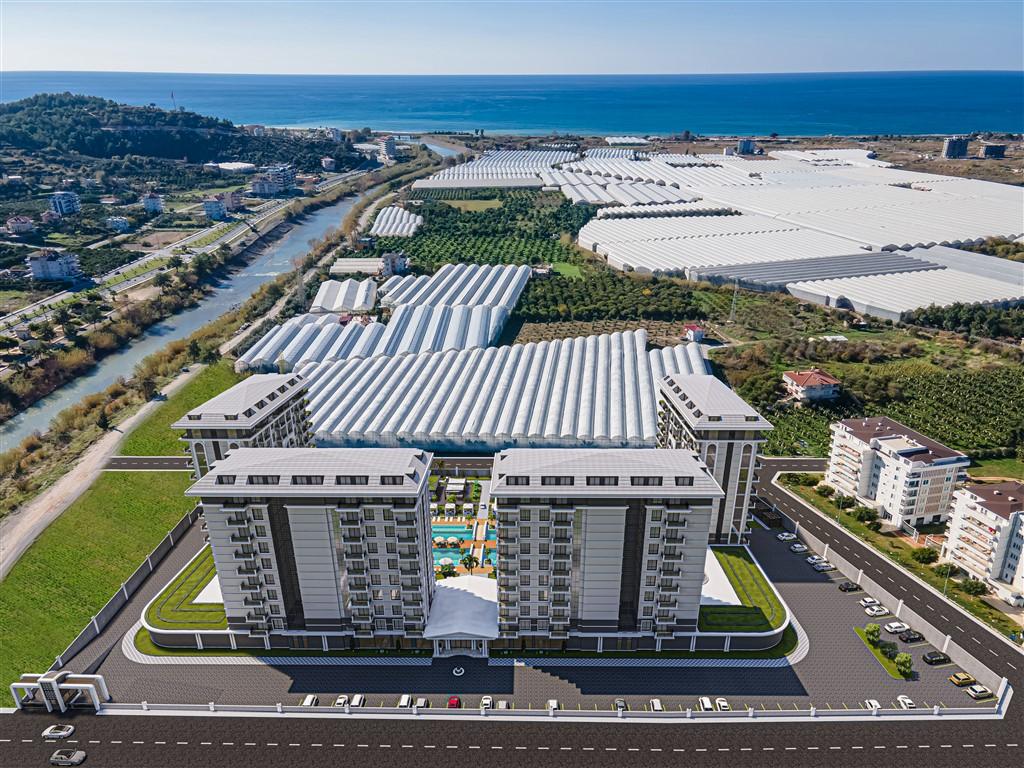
<point x="476" y="36"/>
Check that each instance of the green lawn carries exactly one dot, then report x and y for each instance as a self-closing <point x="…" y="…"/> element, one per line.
<point x="154" y="436"/>
<point x="473" y="205"/>
<point x="175" y="608"/>
<point x="566" y="269"/>
<point x="1013" y="468"/>
<point x="78" y="563"/>
<point x="761" y="610"/>
<point x="876" y="651"/>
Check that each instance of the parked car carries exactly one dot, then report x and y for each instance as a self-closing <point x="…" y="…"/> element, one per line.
<point x="786" y="536"/>
<point x="935" y="657"/>
<point x="309" y="700"/>
<point x="657" y="706"/>
<point x="486" y="702"/>
<point x="815" y="559"/>
<point x="978" y="692"/>
<point x="798" y="548"/>
<point x="67" y="757"/>
<point x="454" y="702"/>
<point x="877" y="610"/>
<point x="60" y="731"/>
<point x="905" y="702"/>
<point x="872" y="704"/>
<point x="866" y="602"/>
<point x="824" y="566"/>
<point x="341" y="701"/>
<point x="552" y="704"/>
<point x="895" y="627"/>
<point x="620" y="705"/>
<point x="961" y="679"/>
<point x="722" y="705"/>
<point x="911" y="636"/>
<point x="502" y="704"/>
<point x="422" y="702"/>
<point x="405" y="702"/>
<point x="358" y="700"/>
<point x="849" y="586"/>
<point x="704" y="704"/>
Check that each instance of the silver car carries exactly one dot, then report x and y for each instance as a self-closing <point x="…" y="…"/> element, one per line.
<point x="68" y="757"/>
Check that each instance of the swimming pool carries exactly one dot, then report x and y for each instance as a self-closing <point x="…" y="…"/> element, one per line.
<point x="441" y="554"/>
<point x="460" y="532"/>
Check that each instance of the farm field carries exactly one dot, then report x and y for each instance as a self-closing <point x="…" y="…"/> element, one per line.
<point x="13" y="300"/>
<point x="157" y="239"/>
<point x="473" y="205"/>
<point x="65" y="578"/>
<point x="1008" y="467"/>
<point x="658" y="331"/>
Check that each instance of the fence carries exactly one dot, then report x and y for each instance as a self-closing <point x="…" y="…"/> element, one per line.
<point x="114" y="605"/>
<point x="940" y="640"/>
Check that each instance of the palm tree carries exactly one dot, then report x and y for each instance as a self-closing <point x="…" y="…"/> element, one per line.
<point x="469" y="562"/>
<point x="447" y="571"/>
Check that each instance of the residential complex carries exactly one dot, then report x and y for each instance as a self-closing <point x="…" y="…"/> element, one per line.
<point x="906" y="477"/>
<point x="811" y="386"/>
<point x="152" y="203"/>
<point x="214" y="209"/>
<point x="260" y="412"/>
<point x="334" y="542"/>
<point x="955" y="147"/>
<point x="699" y="413"/>
<point x="986" y="536"/>
<point x="65" y="203"/>
<point x="600" y="549"/>
<point x="54" y="265"/>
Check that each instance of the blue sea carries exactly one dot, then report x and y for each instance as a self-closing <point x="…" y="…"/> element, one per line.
<point x="789" y="104"/>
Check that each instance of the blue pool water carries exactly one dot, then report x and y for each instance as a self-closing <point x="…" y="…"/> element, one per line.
<point x="458" y="531"/>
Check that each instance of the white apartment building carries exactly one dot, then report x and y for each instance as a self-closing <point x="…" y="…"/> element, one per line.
<point x="214" y="209"/>
<point x="986" y="536"/>
<point x="153" y="203"/>
<point x="700" y="413"/>
<point x="600" y="549"/>
<point x="54" y="265"/>
<point x="811" y="386"/>
<point x="322" y="548"/>
<point x="119" y="223"/>
<point x="906" y="477"/>
<point x="65" y="203"/>
<point x="20" y="225"/>
<point x="265" y="411"/>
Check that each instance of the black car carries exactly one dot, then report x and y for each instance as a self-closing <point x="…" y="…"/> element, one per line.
<point x="849" y="586"/>
<point x="911" y="636"/>
<point x="935" y="657"/>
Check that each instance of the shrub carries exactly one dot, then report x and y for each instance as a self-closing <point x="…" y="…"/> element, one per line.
<point x="946" y="569"/>
<point x="904" y="664"/>
<point x="925" y="555"/>
<point x="873" y="633"/>
<point x="875" y="525"/>
<point x="974" y="587"/>
<point x="804" y="479"/>
<point x="864" y="514"/>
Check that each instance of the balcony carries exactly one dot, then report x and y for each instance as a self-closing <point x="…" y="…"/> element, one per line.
<point x="246" y="587"/>
<point x="666" y="601"/>
<point x="408" y="571"/>
<point x="562" y="539"/>
<point x="238" y="522"/>
<point x="240" y="554"/>
<point x="248" y="570"/>
<point x="241" y="538"/>
<point x="560" y="571"/>
<point x="254" y="601"/>
<point x="560" y="603"/>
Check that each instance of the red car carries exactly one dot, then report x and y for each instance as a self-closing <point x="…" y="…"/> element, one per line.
<point x="454" y="702"/>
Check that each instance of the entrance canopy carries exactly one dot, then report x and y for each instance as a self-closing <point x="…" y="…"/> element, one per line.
<point x="464" y="608"/>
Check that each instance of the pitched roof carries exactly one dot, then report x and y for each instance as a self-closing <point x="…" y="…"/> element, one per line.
<point x="1003" y="499"/>
<point x="811" y="378"/>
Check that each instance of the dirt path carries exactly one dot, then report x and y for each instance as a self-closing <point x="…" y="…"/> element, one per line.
<point x="364" y="218"/>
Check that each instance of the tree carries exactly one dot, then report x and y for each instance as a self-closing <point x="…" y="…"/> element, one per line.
<point x="904" y="664"/>
<point x="160" y="279"/>
<point x="194" y="349"/>
<point x="102" y="420"/>
<point x="447" y="571"/>
<point x="925" y="555"/>
<point x="210" y="355"/>
<point x="946" y="570"/>
<point x="175" y="262"/>
<point x="974" y="587"/>
<point x="873" y="633"/>
<point x="147" y="386"/>
<point x="864" y="514"/>
<point x="469" y="562"/>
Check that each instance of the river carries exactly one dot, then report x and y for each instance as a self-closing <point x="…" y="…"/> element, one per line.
<point x="277" y="258"/>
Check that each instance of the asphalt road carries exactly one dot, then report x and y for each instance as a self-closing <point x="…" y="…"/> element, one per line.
<point x="149" y="463"/>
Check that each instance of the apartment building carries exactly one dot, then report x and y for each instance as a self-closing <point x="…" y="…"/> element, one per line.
<point x="65" y="203"/>
<point x="986" y="536"/>
<point x="265" y="411"/>
<point x="811" y="386"/>
<point x="322" y="547"/>
<point x="214" y="209"/>
<point x="954" y="147"/>
<point x="20" y="225"/>
<point x="906" y="477"/>
<point x="152" y="203"/>
<point x="600" y="549"/>
<point x="700" y="413"/>
<point x="58" y="266"/>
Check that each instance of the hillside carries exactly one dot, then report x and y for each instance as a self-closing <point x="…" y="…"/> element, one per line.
<point x="103" y="129"/>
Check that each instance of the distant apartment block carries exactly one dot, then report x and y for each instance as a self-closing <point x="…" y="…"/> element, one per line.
<point x="986" y="536"/>
<point x="699" y="413"/>
<point x="387" y="147"/>
<point x="54" y="265"/>
<point x="600" y="549"/>
<point x="906" y="477"/>
<point x="327" y="163"/>
<point x="264" y="186"/>
<point x="955" y="147"/>
<point x="118" y="223"/>
<point x="331" y="542"/>
<point x="20" y="225"/>
<point x="811" y="386"/>
<point x="215" y="209"/>
<point x="283" y="175"/>
<point x="335" y="134"/>
<point x="266" y="411"/>
<point x="65" y="203"/>
<point x="152" y="203"/>
<point x="992" y="151"/>
<point x="746" y="147"/>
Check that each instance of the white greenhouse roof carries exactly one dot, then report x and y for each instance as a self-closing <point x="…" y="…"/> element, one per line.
<point x="595" y="391"/>
<point x="625" y="140"/>
<point x="345" y="296"/>
<point x="452" y="284"/>
<point x="393" y="221"/>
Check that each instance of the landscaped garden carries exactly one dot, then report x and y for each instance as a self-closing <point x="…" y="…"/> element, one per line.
<point x="761" y="609"/>
<point x="177" y="607"/>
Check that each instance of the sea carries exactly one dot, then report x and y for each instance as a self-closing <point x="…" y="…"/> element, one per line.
<point x="815" y="104"/>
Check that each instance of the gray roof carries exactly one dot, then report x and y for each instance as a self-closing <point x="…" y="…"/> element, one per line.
<point x="245" y="404"/>
<point x="775" y="274"/>
<point x="621" y="463"/>
<point x="707" y="403"/>
<point x="413" y="466"/>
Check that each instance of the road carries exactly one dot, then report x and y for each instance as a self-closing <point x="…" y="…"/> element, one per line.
<point x="148" y="463"/>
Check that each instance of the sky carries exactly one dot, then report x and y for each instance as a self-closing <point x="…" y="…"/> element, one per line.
<point x="523" y="37"/>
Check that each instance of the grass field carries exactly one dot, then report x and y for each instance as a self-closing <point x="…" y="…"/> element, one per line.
<point x="1012" y="468"/>
<point x="154" y="436"/>
<point x="473" y="205"/>
<point x="13" y="300"/>
<point x="175" y="607"/>
<point x="761" y="610"/>
<point x="567" y="269"/>
<point x="65" y="577"/>
<point x="876" y="651"/>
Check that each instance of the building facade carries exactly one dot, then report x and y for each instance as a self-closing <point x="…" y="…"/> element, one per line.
<point x="986" y="536"/>
<point x="153" y="203"/>
<point x="699" y="413"/>
<point x="54" y="265"/>
<point x="811" y="386"/>
<point x="955" y="147"/>
<point x="333" y="543"/>
<point x="906" y="477"/>
<point x="745" y="147"/>
<point x="65" y="203"/>
<point x="992" y="151"/>
<point x="600" y="549"/>
<point x="20" y="225"/>
<point x="214" y="209"/>
<point x="266" y="411"/>
<point x="119" y="223"/>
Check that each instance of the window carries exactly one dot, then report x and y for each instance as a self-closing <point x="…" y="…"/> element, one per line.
<point x="266" y="562"/>
<point x="275" y="609"/>
<point x="649" y="581"/>
<point x="714" y="418"/>
<point x="269" y="579"/>
<point x="556" y="480"/>
<point x="261" y="530"/>
<point x="517" y="480"/>
<point x="652" y="549"/>
<point x="392" y="479"/>
<point x="648" y="596"/>
<point x="225" y="479"/>
<point x="257" y="514"/>
<point x="684" y="480"/>
<point x="272" y="594"/>
<point x="263" y="479"/>
<point x="602" y="480"/>
<point x="645" y="480"/>
<point x="307" y="479"/>
<point x="352" y="479"/>
<point x="264" y="548"/>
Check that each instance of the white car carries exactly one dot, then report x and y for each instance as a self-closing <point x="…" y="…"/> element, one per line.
<point x="823" y="566"/>
<point x="552" y="704"/>
<point x="786" y="536"/>
<point x="341" y="701"/>
<point x="978" y="691"/>
<point x="358" y="700"/>
<point x="486" y="702"/>
<point x="405" y="702"/>
<point x="722" y="705"/>
<point x="657" y="706"/>
<point x="895" y="627"/>
<point x="876" y="610"/>
<point x="61" y="731"/>
<point x="867" y="602"/>
<point x="905" y="702"/>
<point x="797" y="548"/>
<point x="872" y="704"/>
<point x="815" y="559"/>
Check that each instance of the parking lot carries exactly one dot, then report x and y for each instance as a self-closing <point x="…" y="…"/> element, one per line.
<point x="838" y="671"/>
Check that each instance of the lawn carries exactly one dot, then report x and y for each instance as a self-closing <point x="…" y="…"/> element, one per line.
<point x="1009" y="467"/>
<point x="66" y="576"/>
<point x="567" y="270"/>
<point x="876" y="651"/>
<point x="762" y="611"/>
<point x="154" y="436"/>
<point x="473" y="205"/>
<point x="175" y="607"/>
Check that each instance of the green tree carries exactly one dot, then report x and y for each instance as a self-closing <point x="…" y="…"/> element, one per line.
<point x="974" y="587"/>
<point x="194" y="350"/>
<point x="904" y="664"/>
<point x="447" y="571"/>
<point x="873" y="633"/>
<point x="469" y="562"/>
<point x="147" y="386"/>
<point x="925" y="555"/>
<point x="175" y="262"/>
<point x="102" y="420"/>
<point x="161" y="279"/>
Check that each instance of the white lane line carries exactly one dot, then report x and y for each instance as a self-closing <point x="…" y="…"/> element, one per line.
<point x="142" y="742"/>
<point x="29" y="741"/>
<point x="337" y="745"/>
<point x="382" y="746"/>
<point x="409" y="746"/>
<point x="226" y="743"/>
<point x="183" y="743"/>
<point x="94" y="741"/>
<point x="320" y="745"/>
<point x="249" y="744"/>
<point x="1008" y="663"/>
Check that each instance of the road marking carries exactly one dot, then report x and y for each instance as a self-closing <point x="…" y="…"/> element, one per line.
<point x="269" y="743"/>
<point x="320" y="745"/>
<point x="29" y="741"/>
<point x="96" y="742"/>
<point x="337" y="745"/>
<point x="767" y="749"/>
<point x="428" y="746"/>
<point x="1010" y="665"/>
<point x="142" y="742"/>
<point x="121" y="742"/>
<point x="382" y="746"/>
<point x="183" y="743"/>
<point x="226" y="743"/>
